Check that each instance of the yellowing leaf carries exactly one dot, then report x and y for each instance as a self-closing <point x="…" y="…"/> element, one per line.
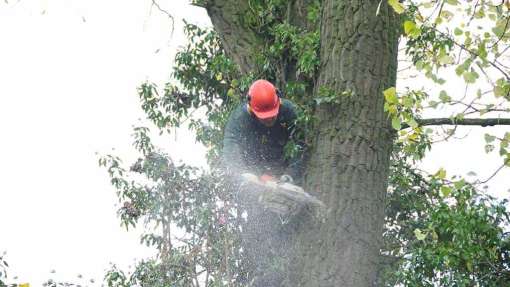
<point x="399" y="8"/>
<point x="24" y="285"/>
<point x="434" y="235"/>
<point x="441" y="173"/>
<point x="409" y="26"/>
<point x="231" y="93"/>
<point x="390" y="95"/>
<point x="419" y="235"/>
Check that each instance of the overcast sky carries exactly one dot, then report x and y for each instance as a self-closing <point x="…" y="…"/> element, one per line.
<point x="68" y="77"/>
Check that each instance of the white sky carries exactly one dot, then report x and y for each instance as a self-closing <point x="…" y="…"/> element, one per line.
<point x="67" y="91"/>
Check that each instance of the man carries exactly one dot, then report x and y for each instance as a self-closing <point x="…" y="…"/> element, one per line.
<point x="254" y="141"/>
<point x="257" y="132"/>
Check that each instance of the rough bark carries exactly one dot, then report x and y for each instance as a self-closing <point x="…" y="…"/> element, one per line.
<point x="349" y="163"/>
<point x="239" y="41"/>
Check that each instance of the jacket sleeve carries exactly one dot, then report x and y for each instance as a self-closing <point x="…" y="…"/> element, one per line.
<point x="232" y="159"/>
<point x="295" y="166"/>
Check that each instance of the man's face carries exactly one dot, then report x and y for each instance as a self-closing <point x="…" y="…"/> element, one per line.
<point x="268" y="122"/>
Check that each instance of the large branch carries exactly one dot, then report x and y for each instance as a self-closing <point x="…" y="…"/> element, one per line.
<point x="461" y="122"/>
<point x="239" y="41"/>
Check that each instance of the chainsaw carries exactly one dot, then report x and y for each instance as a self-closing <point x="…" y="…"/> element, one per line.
<point x="283" y="198"/>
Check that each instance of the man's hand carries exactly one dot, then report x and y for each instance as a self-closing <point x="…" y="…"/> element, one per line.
<point x="267" y="177"/>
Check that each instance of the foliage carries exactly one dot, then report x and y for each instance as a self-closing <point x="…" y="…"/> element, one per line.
<point x="49" y="283"/>
<point x="444" y="232"/>
<point x="171" y="200"/>
<point x="3" y="270"/>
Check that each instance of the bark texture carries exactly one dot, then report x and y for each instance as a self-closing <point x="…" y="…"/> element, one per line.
<point x="349" y="163"/>
<point x="239" y="41"/>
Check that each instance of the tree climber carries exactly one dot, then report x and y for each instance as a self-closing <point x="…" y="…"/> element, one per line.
<point x="257" y="132"/>
<point x="254" y="142"/>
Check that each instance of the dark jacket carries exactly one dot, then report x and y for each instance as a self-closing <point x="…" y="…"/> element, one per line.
<point x="249" y="146"/>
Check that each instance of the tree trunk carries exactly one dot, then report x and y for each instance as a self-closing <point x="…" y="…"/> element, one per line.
<point x="239" y="41"/>
<point x="349" y="163"/>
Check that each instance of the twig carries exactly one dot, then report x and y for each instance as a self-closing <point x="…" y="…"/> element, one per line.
<point x="502" y="52"/>
<point x="496" y="172"/>
<point x="474" y="12"/>
<point x="502" y="34"/>
<point x="154" y="3"/>
<point x="463" y="47"/>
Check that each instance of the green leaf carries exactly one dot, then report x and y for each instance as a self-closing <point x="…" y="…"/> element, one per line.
<point x="469" y="266"/>
<point x="395" y="123"/>
<point x="489" y="138"/>
<point x="419" y="235"/>
<point x="399" y="8"/>
<point x="446" y="190"/>
<point x="460" y="69"/>
<point x="443" y="96"/>
<point x="470" y="77"/>
<point x="433" y="104"/>
<point x="447" y="15"/>
<point x="452" y="2"/>
<point x="489" y="148"/>
<point x="502" y="88"/>
<point x="499" y="30"/>
<point x="499" y="91"/>
<point x="407" y="102"/>
<point x="412" y="123"/>
<point x="459" y="184"/>
<point x="446" y="60"/>
<point x="231" y="93"/>
<point x="457" y="31"/>
<point x="390" y="95"/>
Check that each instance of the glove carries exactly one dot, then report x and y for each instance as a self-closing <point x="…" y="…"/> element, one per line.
<point x="266" y="177"/>
<point x="286" y="178"/>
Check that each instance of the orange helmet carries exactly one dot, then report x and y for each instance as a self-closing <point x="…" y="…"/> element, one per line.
<point x="263" y="99"/>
